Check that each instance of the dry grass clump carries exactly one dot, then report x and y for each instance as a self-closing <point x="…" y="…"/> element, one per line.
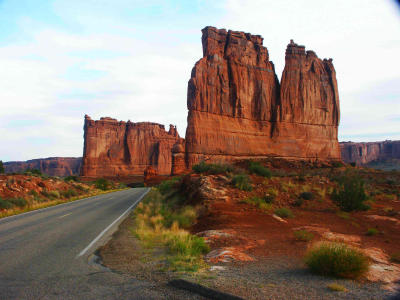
<point x="260" y="203"/>
<point x="161" y="224"/>
<point x="303" y="235"/>
<point x="336" y="259"/>
<point x="336" y="287"/>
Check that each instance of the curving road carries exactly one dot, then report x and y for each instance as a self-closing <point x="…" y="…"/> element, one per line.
<point x="48" y="254"/>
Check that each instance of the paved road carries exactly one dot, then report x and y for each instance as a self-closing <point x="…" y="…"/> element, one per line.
<point x="47" y="254"/>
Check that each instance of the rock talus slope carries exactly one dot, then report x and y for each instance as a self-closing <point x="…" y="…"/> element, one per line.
<point x="113" y="148"/>
<point x="238" y="109"/>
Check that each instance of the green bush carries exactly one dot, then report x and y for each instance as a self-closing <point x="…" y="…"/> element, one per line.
<point x="372" y="231"/>
<point x="69" y="193"/>
<point x="350" y="195"/>
<point x="395" y="257"/>
<point x="102" y="184"/>
<point x="307" y="195"/>
<point x="303" y="235"/>
<point x="203" y="167"/>
<point x="71" y="178"/>
<point x="167" y="185"/>
<point x="242" y="182"/>
<point x="20" y="202"/>
<point x="53" y="194"/>
<point x="336" y="259"/>
<point x="283" y="212"/>
<point x="1" y="167"/>
<point x="298" y="202"/>
<point x="33" y="172"/>
<point x="257" y="168"/>
<point x="269" y="198"/>
<point x="34" y="193"/>
<point x="4" y="204"/>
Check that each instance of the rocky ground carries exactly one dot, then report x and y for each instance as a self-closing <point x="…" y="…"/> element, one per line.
<point x="256" y="255"/>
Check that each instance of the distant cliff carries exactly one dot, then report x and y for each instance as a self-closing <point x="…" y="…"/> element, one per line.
<point x="115" y="148"/>
<point x="364" y="153"/>
<point x="52" y="166"/>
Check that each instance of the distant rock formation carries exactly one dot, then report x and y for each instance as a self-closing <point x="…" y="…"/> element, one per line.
<point x="113" y="148"/>
<point x="52" y="166"/>
<point x="237" y="109"/>
<point x="364" y="153"/>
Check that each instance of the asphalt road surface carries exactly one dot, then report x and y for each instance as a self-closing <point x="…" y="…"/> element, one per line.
<point x="48" y="253"/>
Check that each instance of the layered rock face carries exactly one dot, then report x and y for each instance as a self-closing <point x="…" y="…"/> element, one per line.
<point x="364" y="153"/>
<point x="113" y="148"/>
<point x="237" y="108"/>
<point x="52" y="166"/>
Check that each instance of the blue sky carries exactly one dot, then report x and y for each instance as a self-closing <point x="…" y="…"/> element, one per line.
<point x="129" y="59"/>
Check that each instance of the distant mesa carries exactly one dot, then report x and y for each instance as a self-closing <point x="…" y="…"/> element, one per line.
<point x="52" y="166"/>
<point x="237" y="109"/>
<point x="365" y="153"/>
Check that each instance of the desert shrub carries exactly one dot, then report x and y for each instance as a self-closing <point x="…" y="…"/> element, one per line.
<point x="167" y="185"/>
<point x="336" y="287"/>
<point x="20" y="202"/>
<point x="298" y="202"/>
<point x="4" y="204"/>
<point x="337" y="164"/>
<point x="284" y="212"/>
<point x="35" y="172"/>
<point x="242" y="182"/>
<point x="395" y="257"/>
<point x="336" y="259"/>
<point x="259" y="202"/>
<point x="353" y="164"/>
<point x="301" y="177"/>
<point x="307" y="195"/>
<point x="350" y="195"/>
<point x="53" y="194"/>
<point x="69" y="193"/>
<point x="187" y="245"/>
<point x="372" y="231"/>
<point x="257" y="168"/>
<point x="71" y="178"/>
<point x="34" y="193"/>
<point x="203" y="167"/>
<point x="273" y="192"/>
<point x="102" y="184"/>
<point x="303" y="235"/>
<point x="269" y="198"/>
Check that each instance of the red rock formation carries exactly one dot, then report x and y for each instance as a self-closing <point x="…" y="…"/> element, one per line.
<point x="52" y="166"/>
<point x="149" y="173"/>
<point x="308" y="114"/>
<point x="237" y="109"/>
<point x="364" y="153"/>
<point x="178" y="159"/>
<point x="113" y="148"/>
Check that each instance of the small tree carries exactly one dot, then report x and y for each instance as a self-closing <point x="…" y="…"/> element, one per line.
<point x="1" y="167"/>
<point x="350" y="195"/>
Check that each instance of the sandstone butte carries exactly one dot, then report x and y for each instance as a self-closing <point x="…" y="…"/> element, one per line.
<point x="117" y="149"/>
<point x="363" y="153"/>
<point x="52" y="166"/>
<point x="237" y="110"/>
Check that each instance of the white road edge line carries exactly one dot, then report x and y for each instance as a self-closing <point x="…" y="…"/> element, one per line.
<point x="109" y="226"/>
<point x="65" y="216"/>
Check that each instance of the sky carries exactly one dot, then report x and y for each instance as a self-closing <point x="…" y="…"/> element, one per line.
<point x="131" y="60"/>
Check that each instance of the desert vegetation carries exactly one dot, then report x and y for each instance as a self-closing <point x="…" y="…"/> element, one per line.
<point x="336" y="259"/>
<point x="161" y="222"/>
<point x="32" y="190"/>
